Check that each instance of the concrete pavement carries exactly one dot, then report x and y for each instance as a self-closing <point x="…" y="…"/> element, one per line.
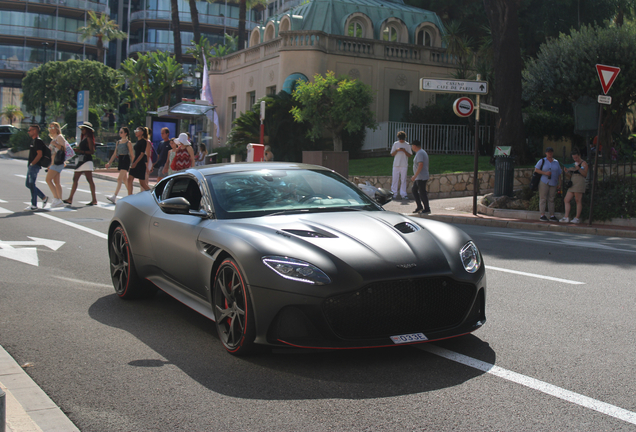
<point x="29" y="409"/>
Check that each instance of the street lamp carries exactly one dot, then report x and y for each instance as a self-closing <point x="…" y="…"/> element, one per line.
<point x="43" y="112"/>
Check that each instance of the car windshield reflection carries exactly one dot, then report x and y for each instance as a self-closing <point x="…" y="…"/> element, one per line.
<point x="268" y="192"/>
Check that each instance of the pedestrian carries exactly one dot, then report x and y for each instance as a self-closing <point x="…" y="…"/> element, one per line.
<point x="84" y="165"/>
<point x="419" y="179"/>
<point x="268" y="156"/>
<point x="184" y="155"/>
<point x="167" y="168"/>
<point x="578" y="175"/>
<point x="401" y="151"/>
<point x="58" y="144"/>
<point x="37" y="155"/>
<point x="162" y="150"/>
<point x="138" y="166"/>
<point x="550" y="171"/>
<point x="122" y="152"/>
<point x="200" y="158"/>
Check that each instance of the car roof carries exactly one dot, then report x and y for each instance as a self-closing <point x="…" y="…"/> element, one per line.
<point x="257" y="166"/>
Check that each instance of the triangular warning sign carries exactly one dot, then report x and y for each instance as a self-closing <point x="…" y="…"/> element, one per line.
<point x="607" y="75"/>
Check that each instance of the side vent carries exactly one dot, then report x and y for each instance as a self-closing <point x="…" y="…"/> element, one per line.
<point x="407" y="227"/>
<point x="208" y="248"/>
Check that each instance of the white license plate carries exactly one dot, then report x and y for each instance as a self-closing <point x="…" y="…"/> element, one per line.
<point x="408" y="338"/>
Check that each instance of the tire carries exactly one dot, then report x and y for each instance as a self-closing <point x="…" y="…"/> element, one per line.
<point x="233" y="309"/>
<point x="127" y="284"/>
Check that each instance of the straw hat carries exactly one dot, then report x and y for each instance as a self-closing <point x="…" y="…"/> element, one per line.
<point x="87" y="125"/>
<point x="183" y="139"/>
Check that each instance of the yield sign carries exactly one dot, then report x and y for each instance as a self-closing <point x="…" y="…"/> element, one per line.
<point x="607" y="75"/>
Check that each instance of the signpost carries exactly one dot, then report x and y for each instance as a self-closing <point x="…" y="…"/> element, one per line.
<point x="490" y="108"/>
<point x="606" y="75"/>
<point x="454" y="86"/>
<point x="463" y="107"/>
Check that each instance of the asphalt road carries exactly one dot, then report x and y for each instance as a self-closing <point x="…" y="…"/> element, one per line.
<point x="557" y="352"/>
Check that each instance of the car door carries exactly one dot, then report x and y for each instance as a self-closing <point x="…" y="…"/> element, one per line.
<point x="174" y="236"/>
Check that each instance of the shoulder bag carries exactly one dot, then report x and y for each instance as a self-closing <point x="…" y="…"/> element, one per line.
<point x="536" y="178"/>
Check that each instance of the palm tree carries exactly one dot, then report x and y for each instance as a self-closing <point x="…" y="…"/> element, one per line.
<point x="176" y="31"/>
<point x="12" y="112"/>
<point x="194" y="14"/>
<point x="104" y="29"/>
<point x="244" y="6"/>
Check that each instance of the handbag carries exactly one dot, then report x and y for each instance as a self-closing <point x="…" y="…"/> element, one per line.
<point x="69" y="152"/>
<point x="60" y="157"/>
<point x="536" y="178"/>
<point x="568" y="184"/>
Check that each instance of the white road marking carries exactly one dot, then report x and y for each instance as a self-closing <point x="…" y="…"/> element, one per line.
<point x="4" y="210"/>
<point x="3" y="201"/>
<point x="571" y="282"/>
<point x="542" y="386"/>
<point x="74" y="225"/>
<point x="25" y="255"/>
<point x="56" y="209"/>
<point x="81" y="282"/>
<point x="560" y="242"/>
<point x="35" y="241"/>
<point x="20" y="175"/>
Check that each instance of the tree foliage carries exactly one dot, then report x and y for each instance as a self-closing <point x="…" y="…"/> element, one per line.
<point x="565" y="70"/>
<point x="150" y="82"/>
<point x="12" y="113"/>
<point x="103" y="28"/>
<point x="333" y="105"/>
<point x="64" y="79"/>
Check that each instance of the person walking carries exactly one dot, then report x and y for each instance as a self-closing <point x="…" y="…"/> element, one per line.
<point x="85" y="165"/>
<point x="578" y="175"/>
<point x="162" y="150"/>
<point x="138" y="167"/>
<point x="419" y="179"/>
<point x="550" y="171"/>
<point x="37" y="150"/>
<point x="401" y="151"/>
<point x="58" y="144"/>
<point x="122" y="152"/>
<point x="184" y="155"/>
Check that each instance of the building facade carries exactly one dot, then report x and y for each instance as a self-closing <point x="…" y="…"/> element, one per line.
<point x="385" y="44"/>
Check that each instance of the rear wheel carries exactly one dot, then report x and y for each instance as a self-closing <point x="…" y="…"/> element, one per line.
<point x="127" y="283"/>
<point x="233" y="309"/>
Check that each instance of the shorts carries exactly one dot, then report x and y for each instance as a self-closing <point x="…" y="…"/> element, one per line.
<point x="57" y="168"/>
<point x="123" y="162"/>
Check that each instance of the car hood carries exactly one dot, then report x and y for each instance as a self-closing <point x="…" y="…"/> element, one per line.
<point x="370" y="242"/>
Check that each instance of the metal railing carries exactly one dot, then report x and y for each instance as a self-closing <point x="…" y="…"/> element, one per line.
<point x="435" y="139"/>
<point x="186" y="17"/>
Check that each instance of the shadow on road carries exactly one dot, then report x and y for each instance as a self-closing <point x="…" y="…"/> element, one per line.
<point x="190" y="342"/>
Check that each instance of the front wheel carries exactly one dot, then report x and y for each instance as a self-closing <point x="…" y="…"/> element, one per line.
<point x="233" y="309"/>
<point x="127" y="283"/>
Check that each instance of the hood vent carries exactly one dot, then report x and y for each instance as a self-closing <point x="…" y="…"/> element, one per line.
<point x="407" y="227"/>
<point x="311" y="234"/>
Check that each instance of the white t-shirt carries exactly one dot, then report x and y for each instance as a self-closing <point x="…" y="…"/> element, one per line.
<point x="400" y="159"/>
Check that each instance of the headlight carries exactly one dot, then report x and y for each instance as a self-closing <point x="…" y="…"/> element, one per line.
<point x="471" y="258"/>
<point x="297" y="270"/>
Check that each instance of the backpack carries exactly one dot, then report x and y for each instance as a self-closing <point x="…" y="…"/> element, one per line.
<point x="45" y="160"/>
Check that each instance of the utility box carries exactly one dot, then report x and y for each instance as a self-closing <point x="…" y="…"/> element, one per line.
<point x="337" y="161"/>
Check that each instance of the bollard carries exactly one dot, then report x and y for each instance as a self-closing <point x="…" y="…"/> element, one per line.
<point x="3" y="411"/>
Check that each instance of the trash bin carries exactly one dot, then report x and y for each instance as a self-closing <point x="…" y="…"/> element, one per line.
<point x="504" y="175"/>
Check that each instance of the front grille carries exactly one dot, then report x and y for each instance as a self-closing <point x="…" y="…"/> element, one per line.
<point x="397" y="307"/>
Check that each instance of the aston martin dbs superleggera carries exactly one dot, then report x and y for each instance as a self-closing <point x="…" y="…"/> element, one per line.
<point x="288" y="254"/>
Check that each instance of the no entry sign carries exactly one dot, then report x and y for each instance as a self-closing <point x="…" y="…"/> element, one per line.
<point x="463" y="107"/>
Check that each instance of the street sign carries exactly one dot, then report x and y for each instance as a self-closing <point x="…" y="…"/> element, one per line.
<point x="607" y="100"/>
<point x="463" y="107"/>
<point x="490" y="108"/>
<point x="453" y="86"/>
<point x="163" y="110"/>
<point x="502" y="150"/>
<point x="607" y="75"/>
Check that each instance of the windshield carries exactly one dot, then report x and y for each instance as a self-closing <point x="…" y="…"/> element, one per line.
<point x="266" y="192"/>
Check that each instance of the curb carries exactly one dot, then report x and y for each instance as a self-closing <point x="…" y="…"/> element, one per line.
<point x="28" y="408"/>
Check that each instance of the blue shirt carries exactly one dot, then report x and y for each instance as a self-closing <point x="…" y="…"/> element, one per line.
<point x="554" y="167"/>
<point x="421" y="156"/>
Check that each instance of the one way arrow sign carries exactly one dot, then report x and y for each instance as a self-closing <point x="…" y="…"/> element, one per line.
<point x="607" y="75"/>
<point x="27" y="255"/>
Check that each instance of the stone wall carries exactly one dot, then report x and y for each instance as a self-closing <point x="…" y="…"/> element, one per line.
<point x="451" y="185"/>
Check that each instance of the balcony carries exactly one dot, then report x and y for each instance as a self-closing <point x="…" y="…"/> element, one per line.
<point x="149" y="47"/>
<point x="72" y="4"/>
<point x="18" y="65"/>
<point x="334" y="44"/>
<point x="212" y="20"/>
<point x="32" y="32"/>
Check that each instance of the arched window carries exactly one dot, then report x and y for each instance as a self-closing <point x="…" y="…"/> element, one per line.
<point x="355" y="29"/>
<point x="390" y="34"/>
<point x="285" y="24"/>
<point x="424" y="38"/>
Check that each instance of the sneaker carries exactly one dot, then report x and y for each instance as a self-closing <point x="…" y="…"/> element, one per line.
<point x="112" y="199"/>
<point x="44" y="201"/>
<point x="576" y="220"/>
<point x="564" y="220"/>
<point x="543" y="218"/>
<point x="57" y="203"/>
<point x="553" y="219"/>
<point x="30" y="208"/>
<point x="425" y="211"/>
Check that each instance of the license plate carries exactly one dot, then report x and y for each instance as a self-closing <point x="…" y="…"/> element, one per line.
<point x="408" y="338"/>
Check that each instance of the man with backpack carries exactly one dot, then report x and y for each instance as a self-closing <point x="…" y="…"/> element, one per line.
<point x="39" y="156"/>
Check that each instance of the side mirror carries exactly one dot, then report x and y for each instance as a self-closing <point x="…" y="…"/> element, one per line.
<point x="178" y="205"/>
<point x="383" y="196"/>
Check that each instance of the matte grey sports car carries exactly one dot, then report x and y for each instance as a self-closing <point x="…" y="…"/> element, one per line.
<point x="289" y="254"/>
